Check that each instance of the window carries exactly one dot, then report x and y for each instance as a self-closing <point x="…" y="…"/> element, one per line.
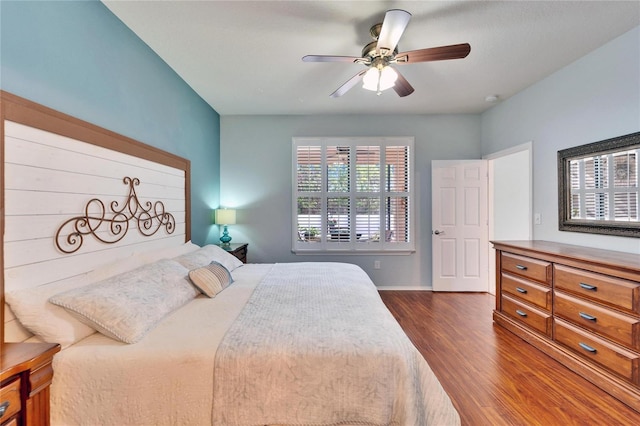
<point x="605" y="187"/>
<point x="352" y="194"/>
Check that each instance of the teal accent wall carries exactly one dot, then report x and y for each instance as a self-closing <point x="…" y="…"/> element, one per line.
<point x="78" y="58"/>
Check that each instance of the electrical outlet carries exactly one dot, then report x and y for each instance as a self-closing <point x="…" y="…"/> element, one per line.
<point x="537" y="218"/>
<point x="376" y="264"/>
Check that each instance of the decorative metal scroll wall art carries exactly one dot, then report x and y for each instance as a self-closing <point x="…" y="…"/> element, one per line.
<point x="111" y="227"/>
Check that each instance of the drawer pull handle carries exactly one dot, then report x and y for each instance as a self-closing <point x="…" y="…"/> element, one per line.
<point x="521" y="290"/>
<point x="589" y="287"/>
<point x="521" y="313"/>
<point x="587" y="348"/>
<point x="521" y="267"/>
<point x="588" y="317"/>
<point x="3" y="408"/>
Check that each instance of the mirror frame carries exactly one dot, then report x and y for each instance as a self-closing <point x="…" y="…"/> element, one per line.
<point x="565" y="223"/>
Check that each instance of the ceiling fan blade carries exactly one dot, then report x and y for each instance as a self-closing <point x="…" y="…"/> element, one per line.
<point x="327" y="58"/>
<point x="348" y="85"/>
<point x="394" y="24"/>
<point x="402" y="86"/>
<point x="455" y="51"/>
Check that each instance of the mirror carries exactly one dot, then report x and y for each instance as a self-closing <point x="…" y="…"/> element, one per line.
<point x="598" y="187"/>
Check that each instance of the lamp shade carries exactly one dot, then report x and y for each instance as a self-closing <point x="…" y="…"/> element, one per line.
<point x="370" y="79"/>
<point x="379" y="79"/>
<point x="388" y="77"/>
<point x="225" y="216"/>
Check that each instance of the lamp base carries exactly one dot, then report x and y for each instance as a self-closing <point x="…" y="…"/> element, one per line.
<point x="226" y="238"/>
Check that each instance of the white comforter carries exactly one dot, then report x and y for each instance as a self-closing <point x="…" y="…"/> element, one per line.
<point x="168" y="377"/>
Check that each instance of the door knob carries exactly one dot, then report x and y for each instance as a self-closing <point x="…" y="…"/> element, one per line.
<point x="438" y="232"/>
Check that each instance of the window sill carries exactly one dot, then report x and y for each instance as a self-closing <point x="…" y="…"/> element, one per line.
<point x="317" y="252"/>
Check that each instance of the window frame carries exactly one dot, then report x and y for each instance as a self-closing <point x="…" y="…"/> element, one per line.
<point x="353" y="246"/>
<point x="594" y="226"/>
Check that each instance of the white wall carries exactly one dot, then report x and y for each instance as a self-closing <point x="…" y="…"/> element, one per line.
<point x="256" y="179"/>
<point x="510" y="196"/>
<point x="597" y="97"/>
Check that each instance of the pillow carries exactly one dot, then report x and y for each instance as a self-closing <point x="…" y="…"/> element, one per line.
<point x="52" y="323"/>
<point x="211" y="279"/>
<point x="207" y="254"/>
<point x="170" y="252"/>
<point x="125" y="307"/>
<point x="136" y="260"/>
<point x="49" y="322"/>
<point x="116" y="267"/>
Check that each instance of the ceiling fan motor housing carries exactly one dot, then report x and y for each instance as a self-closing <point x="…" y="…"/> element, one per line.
<point x="375" y="31"/>
<point x="370" y="51"/>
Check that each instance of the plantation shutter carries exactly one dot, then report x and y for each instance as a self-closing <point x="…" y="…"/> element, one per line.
<point x="397" y="188"/>
<point x="352" y="194"/>
<point x="605" y="187"/>
<point x="338" y="194"/>
<point x="309" y="190"/>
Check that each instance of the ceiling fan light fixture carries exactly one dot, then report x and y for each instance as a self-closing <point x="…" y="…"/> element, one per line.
<point x="388" y="77"/>
<point x="378" y="80"/>
<point x="370" y="79"/>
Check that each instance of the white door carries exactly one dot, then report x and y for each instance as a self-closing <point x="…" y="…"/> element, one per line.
<point x="459" y="231"/>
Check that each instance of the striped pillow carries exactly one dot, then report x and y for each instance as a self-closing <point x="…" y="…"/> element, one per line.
<point x="211" y="279"/>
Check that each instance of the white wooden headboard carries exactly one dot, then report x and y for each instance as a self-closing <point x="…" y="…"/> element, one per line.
<point x="53" y="165"/>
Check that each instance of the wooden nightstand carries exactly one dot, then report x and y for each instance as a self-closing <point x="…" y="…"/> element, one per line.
<point x="24" y="383"/>
<point x="239" y="250"/>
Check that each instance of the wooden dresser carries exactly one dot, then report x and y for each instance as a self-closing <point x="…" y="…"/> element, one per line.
<point x="24" y="383"/>
<point x="579" y="305"/>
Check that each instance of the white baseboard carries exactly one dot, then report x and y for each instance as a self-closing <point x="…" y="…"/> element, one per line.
<point x="403" y="287"/>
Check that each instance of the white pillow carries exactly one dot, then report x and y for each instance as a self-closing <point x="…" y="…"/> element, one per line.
<point x="207" y="254"/>
<point x="53" y="323"/>
<point x="49" y="322"/>
<point x="170" y="252"/>
<point x="110" y="269"/>
<point x="125" y="307"/>
<point x="136" y="260"/>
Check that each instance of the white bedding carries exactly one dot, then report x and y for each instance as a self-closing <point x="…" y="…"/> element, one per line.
<point x="168" y="377"/>
<point x="165" y="379"/>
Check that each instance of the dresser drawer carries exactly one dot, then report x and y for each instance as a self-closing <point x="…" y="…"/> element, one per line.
<point x="620" y="361"/>
<point x="528" y="315"/>
<point x="533" y="269"/>
<point x="10" y="393"/>
<point x="616" y="292"/>
<point x="619" y="327"/>
<point x="41" y="377"/>
<point x="13" y="422"/>
<point x="241" y="254"/>
<point x="527" y="290"/>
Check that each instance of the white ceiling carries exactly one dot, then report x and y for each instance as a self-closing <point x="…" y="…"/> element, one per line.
<point x="244" y="57"/>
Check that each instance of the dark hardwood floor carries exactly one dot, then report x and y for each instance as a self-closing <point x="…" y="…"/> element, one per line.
<point x="492" y="376"/>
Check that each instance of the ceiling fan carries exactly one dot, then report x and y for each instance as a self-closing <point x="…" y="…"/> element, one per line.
<point x="383" y="51"/>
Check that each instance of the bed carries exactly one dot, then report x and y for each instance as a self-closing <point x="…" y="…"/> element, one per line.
<point x="156" y="330"/>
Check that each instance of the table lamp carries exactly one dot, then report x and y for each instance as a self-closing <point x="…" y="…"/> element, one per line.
<point x="225" y="217"/>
